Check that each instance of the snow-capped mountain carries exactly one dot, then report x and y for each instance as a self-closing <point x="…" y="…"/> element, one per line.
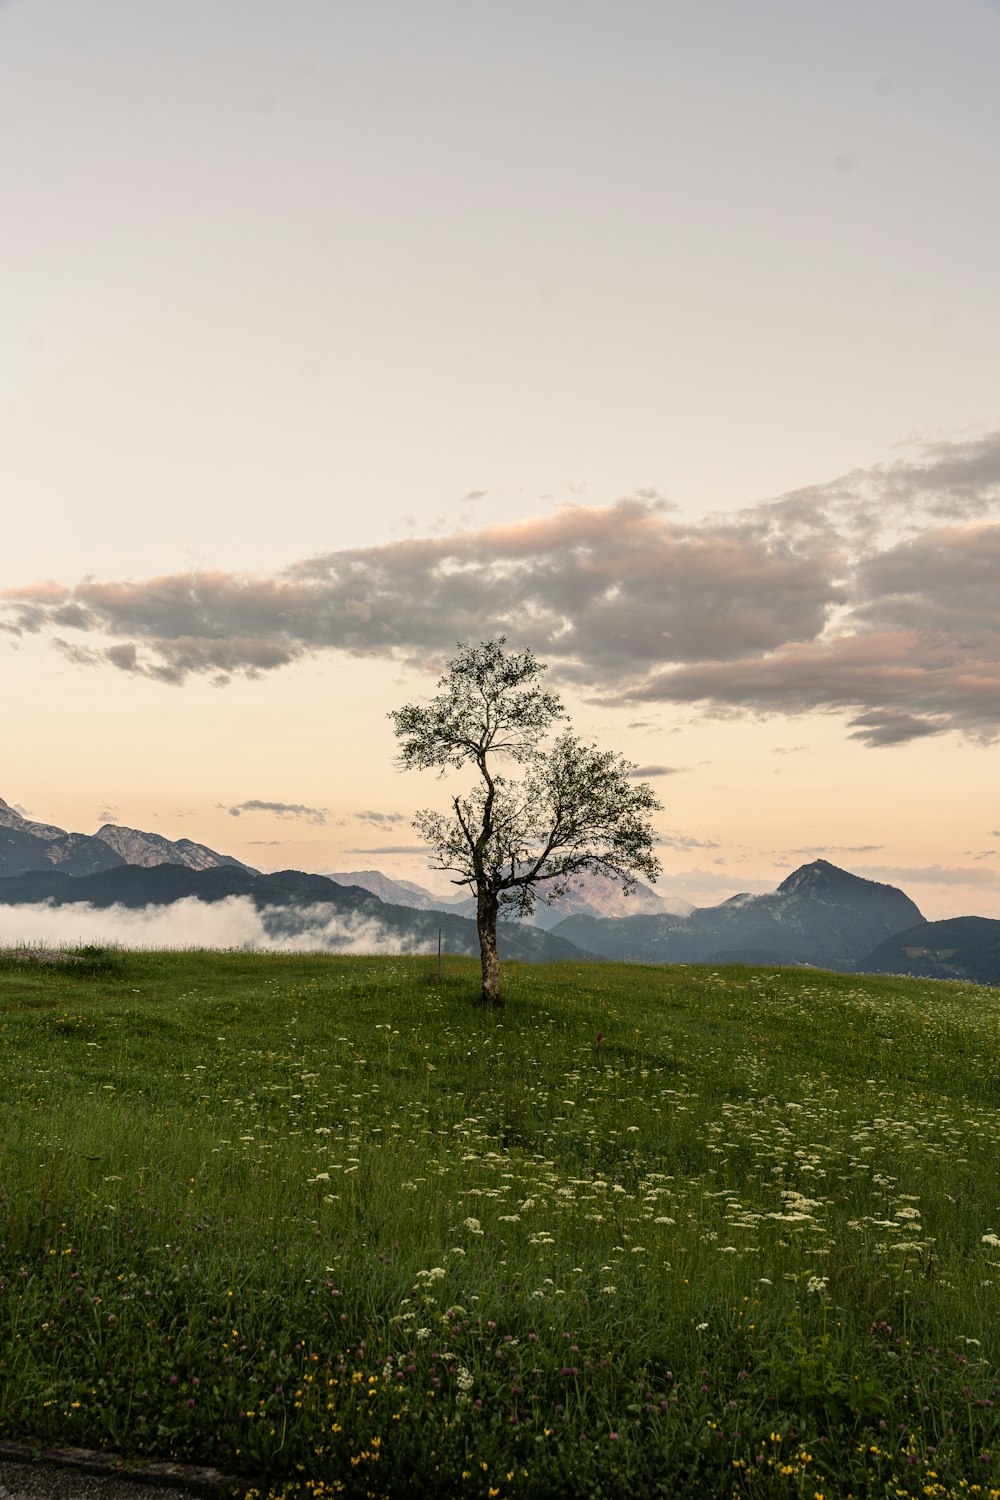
<point x="393" y="892"/>
<point x="597" y="896"/>
<point x="11" y="818"/>
<point x="28" y="845"/>
<point x="147" y="849"/>
<point x="593" y="897"/>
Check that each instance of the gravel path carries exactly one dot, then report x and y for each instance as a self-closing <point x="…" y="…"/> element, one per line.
<point x="43" y="1482"/>
<point x="66" y="1477"/>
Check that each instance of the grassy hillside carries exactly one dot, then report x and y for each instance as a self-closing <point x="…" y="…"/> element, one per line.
<point x="648" y="1231"/>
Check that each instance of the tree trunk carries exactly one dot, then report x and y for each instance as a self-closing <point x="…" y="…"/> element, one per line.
<point x="487" y="907"/>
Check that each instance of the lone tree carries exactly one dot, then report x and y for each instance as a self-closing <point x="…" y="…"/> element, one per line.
<point x="573" y="811"/>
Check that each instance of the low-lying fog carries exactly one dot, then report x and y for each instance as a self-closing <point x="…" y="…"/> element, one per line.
<point x="190" y="923"/>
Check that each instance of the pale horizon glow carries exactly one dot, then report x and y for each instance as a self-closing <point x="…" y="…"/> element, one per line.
<point x="664" y="338"/>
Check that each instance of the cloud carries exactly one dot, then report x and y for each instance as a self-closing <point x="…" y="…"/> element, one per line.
<point x="931" y="875"/>
<point x="381" y="819"/>
<point x="685" y="841"/>
<point x="893" y="685"/>
<point x="393" y="849"/>
<point x="640" y="772"/>
<point x="938" y="481"/>
<point x="315" y="815"/>
<point x="871" y="596"/>
<point x="892" y="727"/>
<point x="602" y="590"/>
<point x="838" y="849"/>
<point x="948" y="479"/>
<point x="189" y="923"/>
<point x="707" y="887"/>
<point x="48" y="593"/>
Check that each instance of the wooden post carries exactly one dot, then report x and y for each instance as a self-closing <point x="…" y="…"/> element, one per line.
<point x="439" y="955"/>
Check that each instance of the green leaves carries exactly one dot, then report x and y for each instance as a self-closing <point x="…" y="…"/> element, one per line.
<point x="489" y="703"/>
<point x="574" y="812"/>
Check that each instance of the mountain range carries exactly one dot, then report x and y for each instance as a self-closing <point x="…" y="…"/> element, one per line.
<point x="819" y="915"/>
<point x="28" y="845"/>
<point x="290" y="903"/>
<point x="594" y="895"/>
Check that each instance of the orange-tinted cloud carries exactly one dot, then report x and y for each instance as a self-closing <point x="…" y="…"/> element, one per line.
<point x="788" y="607"/>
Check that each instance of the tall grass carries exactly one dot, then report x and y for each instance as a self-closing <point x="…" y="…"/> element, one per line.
<point x="646" y="1231"/>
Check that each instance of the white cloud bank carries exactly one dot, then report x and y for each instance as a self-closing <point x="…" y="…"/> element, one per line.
<point x="190" y="923"/>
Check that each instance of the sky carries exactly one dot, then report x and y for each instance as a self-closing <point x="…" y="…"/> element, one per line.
<point x="662" y="336"/>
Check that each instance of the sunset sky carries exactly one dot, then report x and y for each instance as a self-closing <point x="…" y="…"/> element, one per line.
<point x="662" y="335"/>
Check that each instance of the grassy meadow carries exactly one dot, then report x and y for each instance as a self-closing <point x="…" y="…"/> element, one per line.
<point x="672" y="1231"/>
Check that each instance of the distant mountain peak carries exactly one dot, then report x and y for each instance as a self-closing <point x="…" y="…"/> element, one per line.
<point x="137" y="847"/>
<point x="27" y="845"/>
<point x="603" y="896"/>
<point x="820" y="873"/>
<point x="821" y="879"/>
<point x="819" y="915"/>
<point x="11" y="818"/>
<point x="393" y="892"/>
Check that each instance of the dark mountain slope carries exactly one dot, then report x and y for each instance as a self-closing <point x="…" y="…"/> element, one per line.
<point x="839" y="916"/>
<point x="650" y="940"/>
<point x="291" y="902"/>
<point x="819" y="915"/>
<point x="26" y="845"/>
<point x="957" y="948"/>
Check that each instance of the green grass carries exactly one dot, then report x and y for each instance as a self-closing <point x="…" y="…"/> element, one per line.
<point x="335" y="1229"/>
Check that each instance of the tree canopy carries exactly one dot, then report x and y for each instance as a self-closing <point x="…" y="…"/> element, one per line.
<point x="574" y="810"/>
